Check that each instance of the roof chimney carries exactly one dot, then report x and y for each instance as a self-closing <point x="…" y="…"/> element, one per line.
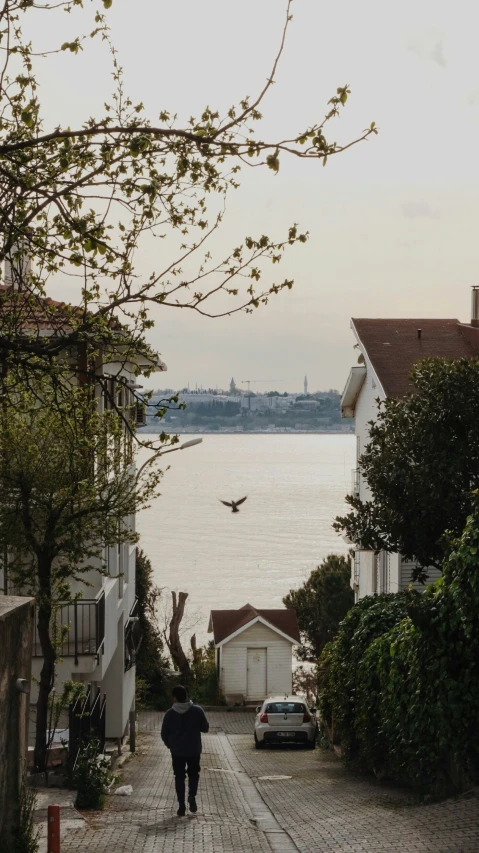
<point x="419" y="333"/>
<point x="475" y="306"/>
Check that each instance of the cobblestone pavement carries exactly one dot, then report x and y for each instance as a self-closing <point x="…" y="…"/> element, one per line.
<point x="322" y="808"/>
<point x="230" y="722"/>
<point x="229" y="819"/>
<point x="327" y="809"/>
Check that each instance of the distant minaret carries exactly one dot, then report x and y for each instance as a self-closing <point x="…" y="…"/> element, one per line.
<point x="305" y="384"/>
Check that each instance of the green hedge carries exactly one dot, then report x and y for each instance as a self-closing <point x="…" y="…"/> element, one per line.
<point x="400" y="683"/>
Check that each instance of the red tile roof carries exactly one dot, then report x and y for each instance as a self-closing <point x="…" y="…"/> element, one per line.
<point x="23" y="311"/>
<point x="28" y="311"/>
<point x="394" y="346"/>
<point x="223" y="623"/>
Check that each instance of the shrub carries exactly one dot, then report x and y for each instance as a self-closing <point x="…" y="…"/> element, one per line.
<point x="401" y="681"/>
<point x="151" y="663"/>
<point x="338" y="670"/>
<point x="205" y="687"/>
<point x="91" y="777"/>
<point x="305" y="683"/>
<point x="26" y="837"/>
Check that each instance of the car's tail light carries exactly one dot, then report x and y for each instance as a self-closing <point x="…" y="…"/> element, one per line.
<point x="263" y="718"/>
<point x="306" y="718"/>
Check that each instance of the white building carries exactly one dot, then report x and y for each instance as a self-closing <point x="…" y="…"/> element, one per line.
<point x="99" y="646"/>
<point x="254" y="651"/>
<point x="387" y="351"/>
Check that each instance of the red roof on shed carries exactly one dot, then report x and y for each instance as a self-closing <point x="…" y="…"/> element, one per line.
<point x="224" y="623"/>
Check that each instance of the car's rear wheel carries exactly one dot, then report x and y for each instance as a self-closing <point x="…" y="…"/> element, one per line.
<point x="259" y="744"/>
<point x="311" y="744"/>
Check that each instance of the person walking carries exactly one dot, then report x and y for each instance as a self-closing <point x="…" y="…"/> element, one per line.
<point x="181" y="732"/>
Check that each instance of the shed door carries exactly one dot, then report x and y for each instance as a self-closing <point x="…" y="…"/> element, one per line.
<point x="256" y="682"/>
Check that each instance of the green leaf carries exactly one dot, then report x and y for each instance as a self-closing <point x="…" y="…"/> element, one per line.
<point x="27" y="118"/>
<point x="272" y="162"/>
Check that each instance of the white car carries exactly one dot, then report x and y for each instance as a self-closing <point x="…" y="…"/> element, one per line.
<point x="285" y="719"/>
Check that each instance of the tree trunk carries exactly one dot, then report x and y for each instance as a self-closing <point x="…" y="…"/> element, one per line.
<point x="197" y="652"/>
<point x="47" y="675"/>
<point x="174" y="643"/>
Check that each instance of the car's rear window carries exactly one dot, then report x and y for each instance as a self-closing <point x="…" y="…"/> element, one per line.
<point x="285" y="708"/>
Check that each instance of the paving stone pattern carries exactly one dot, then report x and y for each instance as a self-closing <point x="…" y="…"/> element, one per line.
<point x="230" y="722"/>
<point x="146" y="822"/>
<point x="327" y="809"/>
<point x="322" y="809"/>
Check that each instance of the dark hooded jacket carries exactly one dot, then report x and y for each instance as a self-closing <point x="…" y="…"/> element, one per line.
<point x="182" y="728"/>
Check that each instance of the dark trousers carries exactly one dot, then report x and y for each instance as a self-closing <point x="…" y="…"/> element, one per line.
<point x="183" y="765"/>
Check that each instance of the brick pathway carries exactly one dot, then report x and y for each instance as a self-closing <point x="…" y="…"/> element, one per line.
<point x="230" y="722"/>
<point x="327" y="809"/>
<point x="321" y="809"/>
<point x="146" y="822"/>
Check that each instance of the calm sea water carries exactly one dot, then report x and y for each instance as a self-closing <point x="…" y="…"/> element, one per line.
<point x="295" y="486"/>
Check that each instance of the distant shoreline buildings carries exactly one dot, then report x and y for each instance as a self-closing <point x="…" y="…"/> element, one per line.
<point x="238" y="410"/>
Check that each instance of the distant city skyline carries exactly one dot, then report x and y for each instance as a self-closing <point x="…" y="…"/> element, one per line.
<point x="303" y="387"/>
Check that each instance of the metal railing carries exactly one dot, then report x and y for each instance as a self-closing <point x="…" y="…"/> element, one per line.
<point x="133" y="637"/>
<point x="79" y="628"/>
<point x="140" y="414"/>
<point x="86" y="720"/>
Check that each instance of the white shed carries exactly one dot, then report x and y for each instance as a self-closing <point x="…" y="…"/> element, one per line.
<point x="254" y="651"/>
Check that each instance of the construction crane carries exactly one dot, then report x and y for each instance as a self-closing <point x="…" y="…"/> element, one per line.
<point x="249" y="382"/>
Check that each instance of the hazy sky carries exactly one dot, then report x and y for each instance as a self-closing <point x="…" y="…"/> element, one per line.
<point x="393" y="222"/>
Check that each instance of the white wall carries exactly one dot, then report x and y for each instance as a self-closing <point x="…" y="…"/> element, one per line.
<point x="365" y="411"/>
<point x="384" y="572"/>
<point x="112" y="614"/>
<point x="233" y="662"/>
<point x="119" y="687"/>
<point x="371" y="580"/>
<point x="366" y="574"/>
<point x="406" y="569"/>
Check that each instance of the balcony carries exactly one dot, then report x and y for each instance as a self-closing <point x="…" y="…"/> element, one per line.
<point x="79" y="628"/>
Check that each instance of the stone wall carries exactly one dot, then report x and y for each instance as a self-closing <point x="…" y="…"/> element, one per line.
<point x="16" y="637"/>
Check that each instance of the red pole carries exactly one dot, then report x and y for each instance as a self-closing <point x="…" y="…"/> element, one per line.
<point x="53" y="829"/>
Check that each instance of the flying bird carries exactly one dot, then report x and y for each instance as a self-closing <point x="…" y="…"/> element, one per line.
<point x="234" y="504"/>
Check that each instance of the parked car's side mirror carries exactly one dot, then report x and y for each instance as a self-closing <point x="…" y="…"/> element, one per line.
<point x="258" y="709"/>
